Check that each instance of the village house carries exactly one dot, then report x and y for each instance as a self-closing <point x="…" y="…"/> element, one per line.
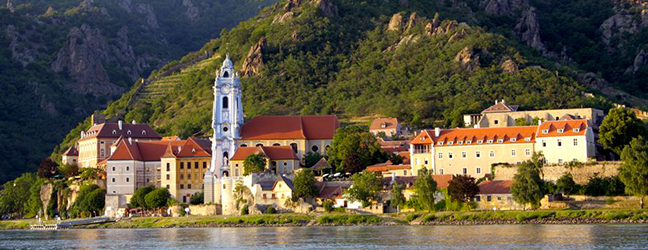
<point x="70" y="156"/>
<point x="132" y="165"/>
<point x="502" y="114"/>
<point x="279" y="159"/>
<point x="473" y="151"/>
<point x="302" y="133"/>
<point x="390" y="127"/>
<point x="183" y="165"/>
<point x="496" y="195"/>
<point x="94" y="144"/>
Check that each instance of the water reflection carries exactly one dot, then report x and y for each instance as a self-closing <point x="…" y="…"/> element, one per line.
<point x="410" y="237"/>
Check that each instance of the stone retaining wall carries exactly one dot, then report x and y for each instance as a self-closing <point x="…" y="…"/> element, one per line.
<point x="581" y="174"/>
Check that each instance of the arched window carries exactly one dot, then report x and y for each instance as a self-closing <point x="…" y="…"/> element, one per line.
<point x="226" y="174"/>
<point x="259" y="145"/>
<point x="225" y="158"/>
<point x="225" y="102"/>
<point x="276" y="145"/>
<point x="225" y="74"/>
<point x="294" y="147"/>
<point x="128" y="132"/>
<point x="315" y="148"/>
<point x="243" y="145"/>
<point x="327" y="149"/>
<point x="143" y="132"/>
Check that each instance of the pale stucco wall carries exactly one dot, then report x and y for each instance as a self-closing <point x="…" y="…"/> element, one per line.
<point x="581" y="174"/>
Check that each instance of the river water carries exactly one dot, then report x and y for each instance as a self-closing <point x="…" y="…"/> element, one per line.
<point x="396" y="237"/>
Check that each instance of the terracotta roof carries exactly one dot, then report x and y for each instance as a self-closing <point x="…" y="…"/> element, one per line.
<point x="72" y="151"/>
<point x="501" y="107"/>
<point x="406" y="156"/>
<point x="425" y="137"/>
<point x="495" y="187"/>
<point x="139" y="151"/>
<point x="171" y="138"/>
<point x="195" y="148"/>
<point x="569" y="128"/>
<point x="383" y="123"/>
<point x="442" y="180"/>
<point x="321" y="165"/>
<point x="272" y="153"/>
<point x="473" y="136"/>
<point x="331" y="192"/>
<point x="111" y="130"/>
<point x="290" y="127"/>
<point x="388" y="166"/>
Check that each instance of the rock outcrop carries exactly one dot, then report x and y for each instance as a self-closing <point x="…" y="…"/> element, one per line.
<point x="192" y="12"/>
<point x="640" y="61"/>
<point x="281" y="18"/>
<point x="509" y="66"/>
<point x="10" y="6"/>
<point x="327" y="7"/>
<point x="396" y="22"/>
<point x="83" y="56"/>
<point x="149" y="14"/>
<point x="292" y="4"/>
<point x="22" y="50"/>
<point x="618" y="25"/>
<point x="528" y="29"/>
<point x="504" y="7"/>
<point x="254" y="59"/>
<point x="467" y="59"/>
<point x="413" y="20"/>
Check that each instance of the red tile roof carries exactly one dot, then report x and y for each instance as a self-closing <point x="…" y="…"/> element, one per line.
<point x="290" y="127"/>
<point x="569" y="127"/>
<point x="495" y="187"/>
<point x="72" y="151"/>
<point x="111" y="130"/>
<point x="387" y="166"/>
<point x="154" y="150"/>
<point x="383" y="123"/>
<point x="472" y="136"/>
<point x="442" y="180"/>
<point x="500" y="107"/>
<point x="191" y="147"/>
<point x="272" y="153"/>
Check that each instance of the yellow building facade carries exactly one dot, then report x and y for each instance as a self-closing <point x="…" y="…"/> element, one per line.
<point x="183" y="168"/>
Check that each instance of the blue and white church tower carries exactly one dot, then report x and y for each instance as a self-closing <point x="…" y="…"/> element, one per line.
<point x="227" y="120"/>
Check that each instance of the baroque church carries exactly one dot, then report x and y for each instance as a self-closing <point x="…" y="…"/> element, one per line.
<point x="283" y="140"/>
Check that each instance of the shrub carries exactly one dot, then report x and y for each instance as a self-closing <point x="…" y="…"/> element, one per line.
<point x="271" y="210"/>
<point x="411" y="217"/>
<point x="245" y="210"/>
<point x="328" y="206"/>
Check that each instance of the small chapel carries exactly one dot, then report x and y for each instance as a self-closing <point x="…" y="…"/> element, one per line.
<point x="283" y="140"/>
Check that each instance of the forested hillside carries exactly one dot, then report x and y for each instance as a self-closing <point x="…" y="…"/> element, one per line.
<point x="61" y="60"/>
<point x="425" y="62"/>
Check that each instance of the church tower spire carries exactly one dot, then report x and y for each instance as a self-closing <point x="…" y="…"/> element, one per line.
<point x="227" y="120"/>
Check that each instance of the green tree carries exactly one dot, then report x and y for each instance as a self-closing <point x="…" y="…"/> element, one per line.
<point x="14" y="195"/>
<point x="527" y="186"/>
<point x="311" y="158"/>
<point x="89" y="202"/>
<point x="47" y="168"/>
<point x="197" y="198"/>
<point x="157" y="198"/>
<point x="424" y="188"/>
<point x="254" y="163"/>
<point x="618" y="128"/>
<point x="462" y="188"/>
<point x="397" y="197"/>
<point x="305" y="184"/>
<point x="566" y="184"/>
<point x="356" y="141"/>
<point x="365" y="187"/>
<point x="137" y="200"/>
<point x="95" y="201"/>
<point x="604" y="186"/>
<point x="634" y="169"/>
<point x="69" y="170"/>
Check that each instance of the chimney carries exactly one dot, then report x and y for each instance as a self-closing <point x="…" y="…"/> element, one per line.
<point x="496" y="101"/>
<point x="98" y="119"/>
<point x="120" y="124"/>
<point x="437" y="132"/>
<point x="134" y="122"/>
<point x="130" y="140"/>
<point x="539" y="122"/>
<point x="393" y="177"/>
<point x="503" y="101"/>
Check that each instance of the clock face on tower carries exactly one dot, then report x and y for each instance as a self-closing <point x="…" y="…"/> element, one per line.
<point x="226" y="88"/>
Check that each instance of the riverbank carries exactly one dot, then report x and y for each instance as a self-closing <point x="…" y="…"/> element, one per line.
<point x="341" y="219"/>
<point x="530" y="217"/>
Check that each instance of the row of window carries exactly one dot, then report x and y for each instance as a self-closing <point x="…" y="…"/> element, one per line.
<point x="168" y="177"/>
<point x="464" y="170"/>
<point x="559" y="142"/>
<point x="489" y="141"/>
<point x="114" y="180"/>
<point x="127" y="168"/>
<point x="464" y="154"/>
<point x="182" y="165"/>
<point x="294" y="146"/>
